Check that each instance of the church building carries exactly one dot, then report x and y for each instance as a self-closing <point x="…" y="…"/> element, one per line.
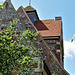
<point x="50" y="36"/>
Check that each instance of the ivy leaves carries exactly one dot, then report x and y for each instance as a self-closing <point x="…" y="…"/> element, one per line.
<point x="15" y="54"/>
<point x="1" y="5"/>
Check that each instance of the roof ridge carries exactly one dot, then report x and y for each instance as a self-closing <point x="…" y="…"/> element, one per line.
<point x="47" y="20"/>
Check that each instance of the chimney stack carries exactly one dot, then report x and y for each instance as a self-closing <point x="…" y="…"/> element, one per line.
<point x="58" y="18"/>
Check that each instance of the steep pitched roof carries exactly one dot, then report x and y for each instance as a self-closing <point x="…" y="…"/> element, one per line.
<point x="22" y="13"/>
<point x="49" y="27"/>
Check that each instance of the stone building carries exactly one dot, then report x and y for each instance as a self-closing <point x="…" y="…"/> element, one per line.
<point x="50" y="36"/>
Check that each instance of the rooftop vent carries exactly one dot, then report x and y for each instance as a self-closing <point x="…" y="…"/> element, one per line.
<point x="58" y="18"/>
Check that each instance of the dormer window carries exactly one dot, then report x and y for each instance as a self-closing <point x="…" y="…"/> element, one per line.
<point x="32" y="18"/>
<point x="32" y="14"/>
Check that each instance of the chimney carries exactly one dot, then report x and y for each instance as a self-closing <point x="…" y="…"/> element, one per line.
<point x="58" y="18"/>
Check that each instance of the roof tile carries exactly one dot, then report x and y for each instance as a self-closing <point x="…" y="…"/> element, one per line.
<point x="49" y="27"/>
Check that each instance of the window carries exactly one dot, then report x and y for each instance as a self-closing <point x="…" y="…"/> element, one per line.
<point x="33" y="18"/>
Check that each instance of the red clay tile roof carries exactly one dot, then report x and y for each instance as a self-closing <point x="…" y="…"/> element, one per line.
<point x="49" y="27"/>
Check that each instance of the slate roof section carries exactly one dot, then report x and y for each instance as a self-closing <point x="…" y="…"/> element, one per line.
<point x="48" y="28"/>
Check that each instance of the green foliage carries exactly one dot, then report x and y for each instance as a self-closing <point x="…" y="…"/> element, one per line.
<point x="16" y="54"/>
<point x="73" y="38"/>
<point x="1" y="6"/>
<point x="53" y="73"/>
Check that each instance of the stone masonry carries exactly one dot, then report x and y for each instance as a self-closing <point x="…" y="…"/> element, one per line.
<point x="51" y="55"/>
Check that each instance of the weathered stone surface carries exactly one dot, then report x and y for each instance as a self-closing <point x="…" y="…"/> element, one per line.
<point x="7" y="15"/>
<point x="54" y="67"/>
<point x="55" y="46"/>
<point x="47" y="55"/>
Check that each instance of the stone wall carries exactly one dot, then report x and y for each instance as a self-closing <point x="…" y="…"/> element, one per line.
<point x="54" y="67"/>
<point x="7" y="15"/>
<point x="48" y="56"/>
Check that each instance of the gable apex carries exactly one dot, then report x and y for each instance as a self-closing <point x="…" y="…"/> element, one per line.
<point x="29" y="8"/>
<point x="7" y="14"/>
<point x="8" y="0"/>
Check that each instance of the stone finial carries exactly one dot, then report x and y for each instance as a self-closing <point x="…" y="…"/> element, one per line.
<point x="8" y="0"/>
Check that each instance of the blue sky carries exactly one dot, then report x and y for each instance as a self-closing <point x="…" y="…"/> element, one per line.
<point x="49" y="9"/>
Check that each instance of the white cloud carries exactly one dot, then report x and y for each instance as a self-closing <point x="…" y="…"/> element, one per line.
<point x="69" y="48"/>
<point x="72" y="74"/>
